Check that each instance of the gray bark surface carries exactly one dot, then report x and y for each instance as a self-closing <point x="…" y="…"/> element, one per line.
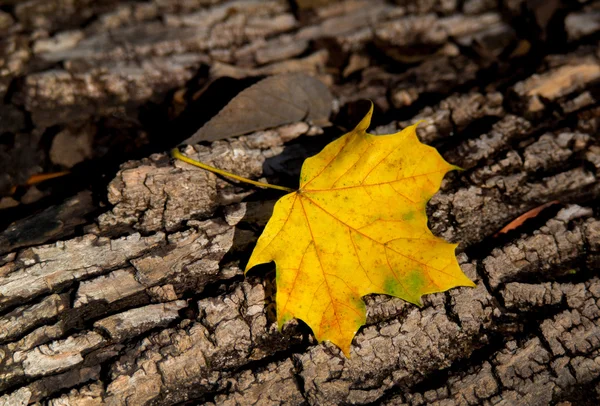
<point x="145" y="303"/>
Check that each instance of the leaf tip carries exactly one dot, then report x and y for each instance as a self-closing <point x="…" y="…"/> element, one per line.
<point x="366" y="120"/>
<point x="251" y="264"/>
<point x="344" y="346"/>
<point x="280" y="324"/>
<point x="417" y="123"/>
<point x="467" y="282"/>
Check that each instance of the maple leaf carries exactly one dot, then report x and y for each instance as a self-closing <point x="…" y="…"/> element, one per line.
<point x="357" y="225"/>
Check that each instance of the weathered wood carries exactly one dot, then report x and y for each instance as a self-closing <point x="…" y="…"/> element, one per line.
<point x="146" y="303"/>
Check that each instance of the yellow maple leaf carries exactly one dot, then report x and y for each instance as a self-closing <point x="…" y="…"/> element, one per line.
<point x="357" y="225"/>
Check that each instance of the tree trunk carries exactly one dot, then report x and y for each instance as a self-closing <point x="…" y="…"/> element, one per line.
<point x="137" y="296"/>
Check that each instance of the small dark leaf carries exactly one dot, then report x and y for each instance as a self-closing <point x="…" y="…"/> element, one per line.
<point x="274" y="101"/>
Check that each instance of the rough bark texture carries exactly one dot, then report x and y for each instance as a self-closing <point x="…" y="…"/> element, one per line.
<point x="144" y="302"/>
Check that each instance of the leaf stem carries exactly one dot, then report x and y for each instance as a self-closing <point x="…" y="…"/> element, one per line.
<point x="178" y="155"/>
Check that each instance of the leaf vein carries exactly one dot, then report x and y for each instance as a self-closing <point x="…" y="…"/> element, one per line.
<point x="329" y="163"/>
<point x="372" y="184"/>
<point x="360" y="262"/>
<point x="376" y="165"/>
<point x="353" y="165"/>
<point x="296" y="276"/>
<point x="320" y="264"/>
<point x="378" y="242"/>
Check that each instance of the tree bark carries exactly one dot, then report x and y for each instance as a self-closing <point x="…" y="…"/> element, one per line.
<point x="144" y="302"/>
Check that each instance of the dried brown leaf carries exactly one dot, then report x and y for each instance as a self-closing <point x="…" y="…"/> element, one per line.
<point x="274" y="101"/>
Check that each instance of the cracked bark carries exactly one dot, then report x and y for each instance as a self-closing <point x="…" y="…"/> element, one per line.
<point x="145" y="302"/>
